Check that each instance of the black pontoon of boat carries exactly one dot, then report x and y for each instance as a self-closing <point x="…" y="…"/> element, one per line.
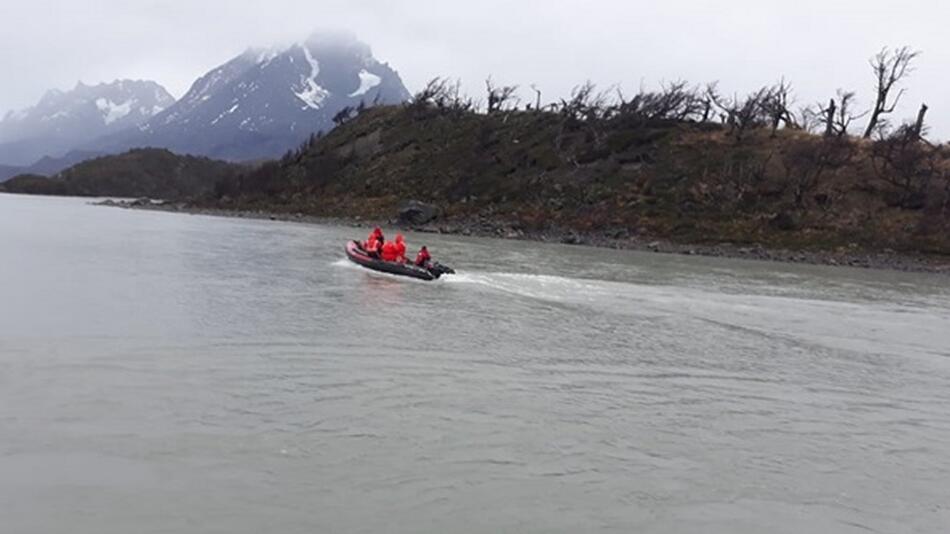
<point x="356" y="254"/>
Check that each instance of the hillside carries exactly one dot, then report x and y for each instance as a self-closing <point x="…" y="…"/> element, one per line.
<point x="517" y="172"/>
<point x="9" y="171"/>
<point x="48" y="166"/>
<point x="155" y="173"/>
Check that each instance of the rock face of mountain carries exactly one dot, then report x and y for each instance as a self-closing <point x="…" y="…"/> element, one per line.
<point x="62" y="121"/>
<point x="265" y="102"/>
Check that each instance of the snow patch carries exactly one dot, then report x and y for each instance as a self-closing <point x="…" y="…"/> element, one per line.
<point x="223" y="113"/>
<point x="266" y="55"/>
<point x="111" y="111"/>
<point x="208" y="85"/>
<point x="311" y="94"/>
<point x="368" y="80"/>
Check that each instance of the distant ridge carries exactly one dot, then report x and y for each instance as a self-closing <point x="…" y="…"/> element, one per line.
<point x="64" y="120"/>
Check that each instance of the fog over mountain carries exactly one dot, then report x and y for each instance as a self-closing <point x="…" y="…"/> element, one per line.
<point x="266" y="101"/>
<point x="259" y="104"/>
<point x="744" y="44"/>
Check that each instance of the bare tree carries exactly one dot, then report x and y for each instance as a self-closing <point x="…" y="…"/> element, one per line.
<point x="585" y="104"/>
<point x="433" y="92"/>
<point x="889" y="69"/>
<point x="585" y="110"/>
<point x="499" y="97"/>
<point x="775" y="104"/>
<point x="837" y="117"/>
<point x="919" y="123"/>
<point x="442" y="95"/>
<point x="710" y="98"/>
<point x="744" y="114"/>
<point x="901" y="160"/>
<point x="808" y="160"/>
<point x="845" y="116"/>
<point x="830" y="114"/>
<point x="675" y="101"/>
<point x="537" y="104"/>
<point x="811" y="118"/>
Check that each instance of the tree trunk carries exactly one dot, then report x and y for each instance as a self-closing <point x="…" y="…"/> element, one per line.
<point x="875" y="116"/>
<point x="919" y="125"/>
<point x="830" y="119"/>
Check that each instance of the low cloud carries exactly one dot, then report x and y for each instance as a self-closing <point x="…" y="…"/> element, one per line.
<point x="819" y="46"/>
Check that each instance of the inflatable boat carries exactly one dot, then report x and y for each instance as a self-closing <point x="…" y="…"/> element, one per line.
<point x="356" y="254"/>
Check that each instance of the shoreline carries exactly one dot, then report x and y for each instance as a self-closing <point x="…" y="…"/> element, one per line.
<point x="856" y="258"/>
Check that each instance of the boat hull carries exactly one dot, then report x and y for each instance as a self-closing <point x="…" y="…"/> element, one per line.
<point x="357" y="255"/>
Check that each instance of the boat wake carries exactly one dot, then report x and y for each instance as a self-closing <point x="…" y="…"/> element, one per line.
<point x="830" y="323"/>
<point x="542" y="286"/>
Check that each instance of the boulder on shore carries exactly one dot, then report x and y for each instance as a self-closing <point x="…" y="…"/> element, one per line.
<point x="415" y="212"/>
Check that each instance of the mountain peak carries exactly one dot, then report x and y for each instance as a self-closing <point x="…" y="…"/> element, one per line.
<point x="63" y="120"/>
<point x="269" y="99"/>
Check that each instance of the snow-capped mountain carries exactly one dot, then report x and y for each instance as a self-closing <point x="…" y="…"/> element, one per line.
<point x="64" y="120"/>
<point x="266" y="101"/>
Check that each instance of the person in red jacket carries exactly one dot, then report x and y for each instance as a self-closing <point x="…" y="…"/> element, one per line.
<point x="374" y="242"/>
<point x="400" y="249"/>
<point x="375" y="235"/>
<point x="388" y="252"/>
<point x="423" y="258"/>
<point x="372" y="247"/>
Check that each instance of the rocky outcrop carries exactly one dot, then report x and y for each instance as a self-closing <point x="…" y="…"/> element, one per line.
<point x="415" y="212"/>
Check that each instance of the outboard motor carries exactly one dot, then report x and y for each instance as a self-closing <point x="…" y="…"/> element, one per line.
<point x="437" y="269"/>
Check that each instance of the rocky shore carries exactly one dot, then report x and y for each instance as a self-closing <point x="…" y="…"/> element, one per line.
<point x="618" y="239"/>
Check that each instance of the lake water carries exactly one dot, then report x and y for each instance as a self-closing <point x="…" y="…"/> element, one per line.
<point x="173" y="373"/>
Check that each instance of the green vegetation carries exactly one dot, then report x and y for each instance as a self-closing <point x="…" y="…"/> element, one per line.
<point x="33" y="184"/>
<point x="154" y="173"/>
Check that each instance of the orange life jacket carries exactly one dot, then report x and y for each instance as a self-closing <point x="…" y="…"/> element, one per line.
<point x="390" y="251"/>
<point x="372" y="245"/>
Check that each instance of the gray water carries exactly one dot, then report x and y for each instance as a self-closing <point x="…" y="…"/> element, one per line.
<point x="174" y="373"/>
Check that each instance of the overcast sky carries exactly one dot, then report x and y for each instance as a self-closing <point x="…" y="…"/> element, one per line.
<point x="818" y="45"/>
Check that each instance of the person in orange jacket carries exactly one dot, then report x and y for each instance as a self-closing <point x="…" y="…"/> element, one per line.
<point x="395" y="251"/>
<point x="423" y="258"/>
<point x="374" y="243"/>
<point x="372" y="248"/>
<point x="400" y="249"/>
<point x="388" y="252"/>
<point x="375" y="235"/>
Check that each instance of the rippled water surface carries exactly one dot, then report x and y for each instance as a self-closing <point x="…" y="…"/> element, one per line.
<point x="173" y="373"/>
